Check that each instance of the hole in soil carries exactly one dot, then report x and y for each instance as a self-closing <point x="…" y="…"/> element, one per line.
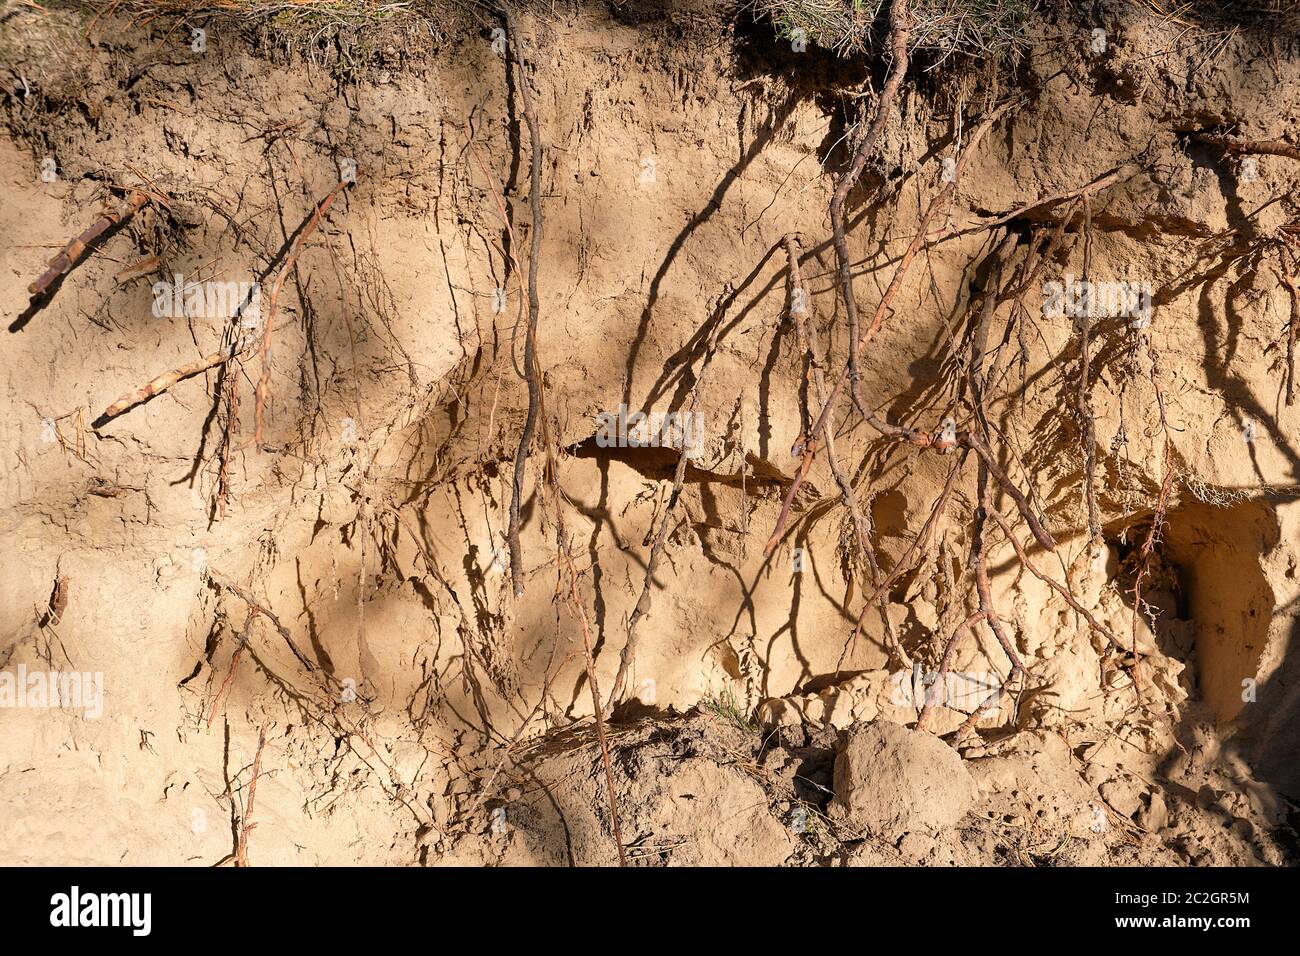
<point x="1207" y="591"/>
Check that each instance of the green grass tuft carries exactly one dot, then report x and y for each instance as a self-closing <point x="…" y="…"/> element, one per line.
<point x="725" y="706"/>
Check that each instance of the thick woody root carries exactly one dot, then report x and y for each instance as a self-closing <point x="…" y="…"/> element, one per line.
<point x="940" y="202"/>
<point x="1055" y="585"/>
<point x="156" y="386"/>
<point x="986" y="510"/>
<point x="229" y="397"/>
<point x="1247" y="147"/>
<point x="910" y="556"/>
<point x="899" y="31"/>
<point x="551" y="478"/>
<point x="72" y="253"/>
<point x="1117" y="175"/>
<point x="534" y="308"/>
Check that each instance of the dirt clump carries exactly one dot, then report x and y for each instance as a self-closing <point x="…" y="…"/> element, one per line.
<point x="889" y="779"/>
<point x="688" y="793"/>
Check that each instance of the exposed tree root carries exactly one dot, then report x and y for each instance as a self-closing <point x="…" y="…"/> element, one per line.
<point x="235" y="658"/>
<point x="72" y="253"/>
<point x="945" y="665"/>
<point x="807" y="337"/>
<point x="534" y="308"/>
<point x="161" y="383"/>
<point x="899" y="32"/>
<point x="580" y="611"/>
<point x="262" y="390"/>
<point x="1287" y="273"/>
<point x="536" y="415"/>
<point x="246" y="823"/>
<point x="628" y="654"/>
<point x="1117" y="175"/>
<point x="1083" y="403"/>
<point x="1242" y="146"/>
<point x="1162" y="501"/>
<point x="910" y="435"/>
<point x="254" y="606"/>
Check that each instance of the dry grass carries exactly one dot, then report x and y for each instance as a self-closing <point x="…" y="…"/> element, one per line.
<point x="145" y="11"/>
<point x="347" y="34"/>
<point x="1214" y="18"/>
<point x="989" y="29"/>
<point x="984" y="28"/>
<point x="283" y="11"/>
